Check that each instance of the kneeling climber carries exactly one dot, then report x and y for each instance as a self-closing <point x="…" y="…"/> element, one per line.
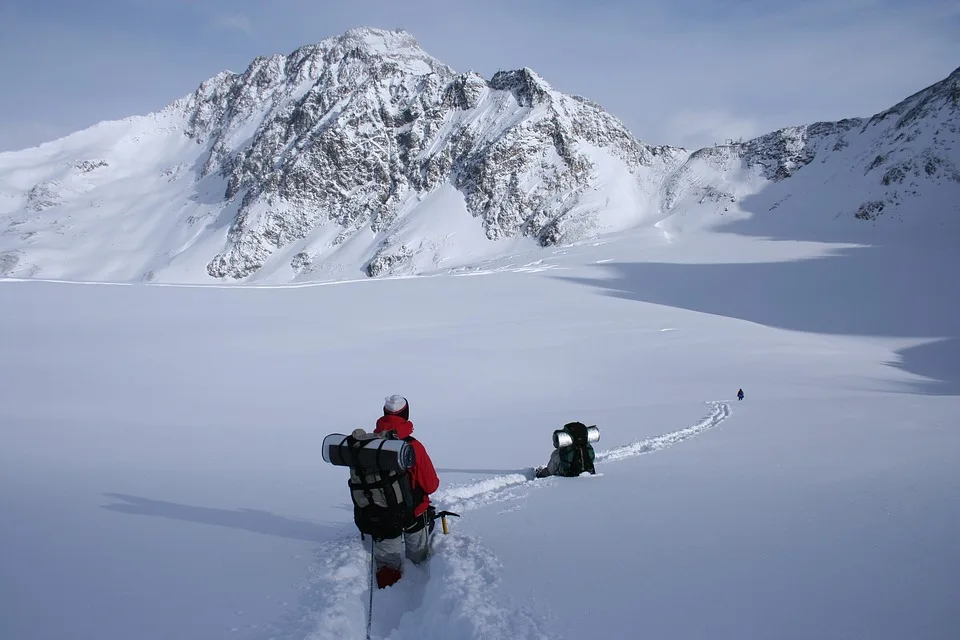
<point x="572" y="452"/>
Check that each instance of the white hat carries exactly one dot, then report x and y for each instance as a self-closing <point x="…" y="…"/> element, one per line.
<point x="394" y="404"/>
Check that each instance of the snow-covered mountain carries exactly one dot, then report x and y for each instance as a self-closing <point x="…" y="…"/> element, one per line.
<point x="897" y="169"/>
<point x="363" y="155"/>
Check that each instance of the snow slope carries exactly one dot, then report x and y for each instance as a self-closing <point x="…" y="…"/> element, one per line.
<point x="160" y="473"/>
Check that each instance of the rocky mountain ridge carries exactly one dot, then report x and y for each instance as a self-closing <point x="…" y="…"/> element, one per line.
<point x="403" y="123"/>
<point x="327" y="156"/>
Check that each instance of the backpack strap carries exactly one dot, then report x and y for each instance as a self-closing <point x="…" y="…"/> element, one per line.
<point x="417" y="494"/>
<point x="362" y="472"/>
<point x="354" y="463"/>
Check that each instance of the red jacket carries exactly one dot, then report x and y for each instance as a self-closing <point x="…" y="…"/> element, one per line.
<point x="421" y="474"/>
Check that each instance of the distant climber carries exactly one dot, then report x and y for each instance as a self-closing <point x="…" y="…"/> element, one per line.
<point x="572" y="452"/>
<point x="740" y="394"/>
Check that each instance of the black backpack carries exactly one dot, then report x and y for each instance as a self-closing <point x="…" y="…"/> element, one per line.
<point x="579" y="456"/>
<point x="383" y="501"/>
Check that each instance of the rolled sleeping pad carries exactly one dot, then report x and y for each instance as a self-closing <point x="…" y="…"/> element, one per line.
<point x="563" y="439"/>
<point x="375" y="453"/>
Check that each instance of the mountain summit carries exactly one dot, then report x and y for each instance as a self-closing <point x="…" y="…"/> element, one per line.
<point x="364" y="154"/>
<point x="353" y="133"/>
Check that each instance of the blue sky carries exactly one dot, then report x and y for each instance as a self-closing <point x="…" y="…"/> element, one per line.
<point x="676" y="72"/>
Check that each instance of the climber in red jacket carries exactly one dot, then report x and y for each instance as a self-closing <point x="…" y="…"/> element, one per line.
<point x="423" y="481"/>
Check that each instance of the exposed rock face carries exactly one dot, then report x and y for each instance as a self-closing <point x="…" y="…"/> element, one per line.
<point x="903" y="152"/>
<point x="330" y="149"/>
<point x="346" y="131"/>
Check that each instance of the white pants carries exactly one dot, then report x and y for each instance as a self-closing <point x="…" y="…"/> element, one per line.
<point x="389" y="552"/>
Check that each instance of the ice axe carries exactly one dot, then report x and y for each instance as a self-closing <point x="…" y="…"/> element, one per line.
<point x="443" y="519"/>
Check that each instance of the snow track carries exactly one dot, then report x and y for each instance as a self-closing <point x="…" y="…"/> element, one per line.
<point x="511" y="486"/>
<point x="720" y="412"/>
<point x="453" y="596"/>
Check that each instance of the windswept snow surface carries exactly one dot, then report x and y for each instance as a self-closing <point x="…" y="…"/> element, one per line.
<point x="161" y="477"/>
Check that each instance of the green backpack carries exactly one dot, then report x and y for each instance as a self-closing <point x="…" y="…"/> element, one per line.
<point x="578" y="457"/>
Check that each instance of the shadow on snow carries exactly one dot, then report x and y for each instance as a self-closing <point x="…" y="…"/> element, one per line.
<point x="868" y="291"/>
<point x="246" y="519"/>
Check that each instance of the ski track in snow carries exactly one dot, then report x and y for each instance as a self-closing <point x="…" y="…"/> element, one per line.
<point x="512" y="486"/>
<point x="720" y="412"/>
<point x="452" y="596"/>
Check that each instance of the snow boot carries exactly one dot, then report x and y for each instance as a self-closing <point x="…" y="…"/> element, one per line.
<point x="387" y="576"/>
